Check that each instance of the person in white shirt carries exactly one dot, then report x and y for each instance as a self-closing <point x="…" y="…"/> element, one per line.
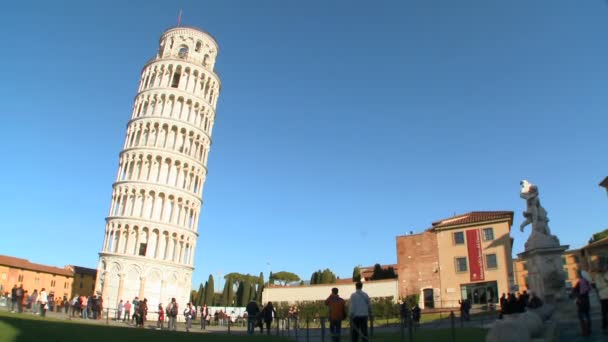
<point x="360" y="309"/>
<point x="43" y="299"/>
<point x="121" y="308"/>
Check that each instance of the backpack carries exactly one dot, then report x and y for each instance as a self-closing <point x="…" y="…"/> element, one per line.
<point x="19" y="292"/>
<point x="173" y="310"/>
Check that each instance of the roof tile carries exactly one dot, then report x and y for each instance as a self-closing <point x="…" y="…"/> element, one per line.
<point x="473" y="217"/>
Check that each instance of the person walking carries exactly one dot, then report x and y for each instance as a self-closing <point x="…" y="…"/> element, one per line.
<point x="416" y="312"/>
<point x="43" y="299"/>
<point x="172" y="314"/>
<point x="360" y="310"/>
<point x="601" y="284"/>
<point x="13" y="298"/>
<point x="142" y="312"/>
<point x="189" y="315"/>
<point x="204" y="315"/>
<point x="19" y="298"/>
<point x="127" y="315"/>
<point x="252" y="312"/>
<point x="337" y="313"/>
<point x="580" y="292"/>
<point x="268" y="314"/>
<point x="34" y="302"/>
<point x="135" y="303"/>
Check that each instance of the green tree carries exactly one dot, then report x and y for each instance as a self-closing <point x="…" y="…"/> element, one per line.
<point x="239" y="294"/>
<point x="328" y="277"/>
<point x="204" y="301"/>
<point x="230" y="299"/>
<point x="357" y="273"/>
<point x="381" y="273"/>
<point x="253" y="293"/>
<point x="209" y="291"/>
<point x="314" y="278"/>
<point x="246" y="295"/>
<point x="199" y="295"/>
<point x="258" y="294"/>
<point x="323" y="277"/>
<point x="225" y="294"/>
<point x="285" y="277"/>
<point x="598" y="236"/>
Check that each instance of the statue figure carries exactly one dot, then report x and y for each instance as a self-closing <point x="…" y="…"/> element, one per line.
<point x="536" y="215"/>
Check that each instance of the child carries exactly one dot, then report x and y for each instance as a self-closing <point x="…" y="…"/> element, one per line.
<point x="161" y="317"/>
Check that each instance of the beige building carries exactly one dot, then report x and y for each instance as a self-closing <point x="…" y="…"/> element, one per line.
<point x="462" y="257"/>
<point x="66" y="281"/>
<point x="84" y="280"/>
<point x="571" y="261"/>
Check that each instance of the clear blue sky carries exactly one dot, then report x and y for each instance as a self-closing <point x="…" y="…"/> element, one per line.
<point x="340" y="125"/>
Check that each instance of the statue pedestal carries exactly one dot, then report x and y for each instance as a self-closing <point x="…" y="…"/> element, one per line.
<point x="545" y="272"/>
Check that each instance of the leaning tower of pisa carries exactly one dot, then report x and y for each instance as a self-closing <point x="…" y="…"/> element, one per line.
<point x="151" y="229"/>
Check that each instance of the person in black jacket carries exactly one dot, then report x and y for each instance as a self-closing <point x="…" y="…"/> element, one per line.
<point x="252" y="312"/>
<point x="268" y="313"/>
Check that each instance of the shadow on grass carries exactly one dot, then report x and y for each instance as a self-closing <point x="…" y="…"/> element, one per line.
<point x="18" y="328"/>
<point x="435" y="335"/>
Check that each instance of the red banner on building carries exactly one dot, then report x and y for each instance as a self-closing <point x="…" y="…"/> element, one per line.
<point x="475" y="255"/>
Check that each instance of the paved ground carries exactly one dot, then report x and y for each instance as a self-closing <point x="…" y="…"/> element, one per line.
<point x="570" y="330"/>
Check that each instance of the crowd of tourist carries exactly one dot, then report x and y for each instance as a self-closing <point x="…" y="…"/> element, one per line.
<point x="38" y="302"/>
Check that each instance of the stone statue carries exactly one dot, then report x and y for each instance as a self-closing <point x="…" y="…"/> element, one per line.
<point x="536" y="215"/>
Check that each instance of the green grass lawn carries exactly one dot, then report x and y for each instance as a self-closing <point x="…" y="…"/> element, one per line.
<point x="434" y="335"/>
<point x="22" y="328"/>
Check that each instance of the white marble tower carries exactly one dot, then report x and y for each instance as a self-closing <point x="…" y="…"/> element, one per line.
<point x="151" y="230"/>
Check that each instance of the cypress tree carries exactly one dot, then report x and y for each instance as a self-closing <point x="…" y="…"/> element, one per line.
<point x="245" y="286"/>
<point x="204" y="297"/>
<point x="230" y="298"/>
<point x="356" y="274"/>
<point x="240" y="294"/>
<point x="253" y="294"/>
<point x="210" y="291"/>
<point x="258" y="295"/>
<point x="224" y="298"/>
<point x="199" y="295"/>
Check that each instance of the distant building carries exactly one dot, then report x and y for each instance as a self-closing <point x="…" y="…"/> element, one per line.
<point x="84" y="280"/>
<point x="367" y="272"/>
<point x="67" y="281"/>
<point x="17" y="271"/>
<point x="571" y="261"/>
<point x="293" y="294"/>
<point x="595" y="254"/>
<point x="462" y="257"/>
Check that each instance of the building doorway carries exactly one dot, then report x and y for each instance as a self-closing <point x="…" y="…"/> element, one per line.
<point x="429" y="300"/>
<point x="480" y="293"/>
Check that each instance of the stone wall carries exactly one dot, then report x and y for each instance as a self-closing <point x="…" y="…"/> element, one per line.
<point x="292" y="294"/>
<point x="417" y="263"/>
